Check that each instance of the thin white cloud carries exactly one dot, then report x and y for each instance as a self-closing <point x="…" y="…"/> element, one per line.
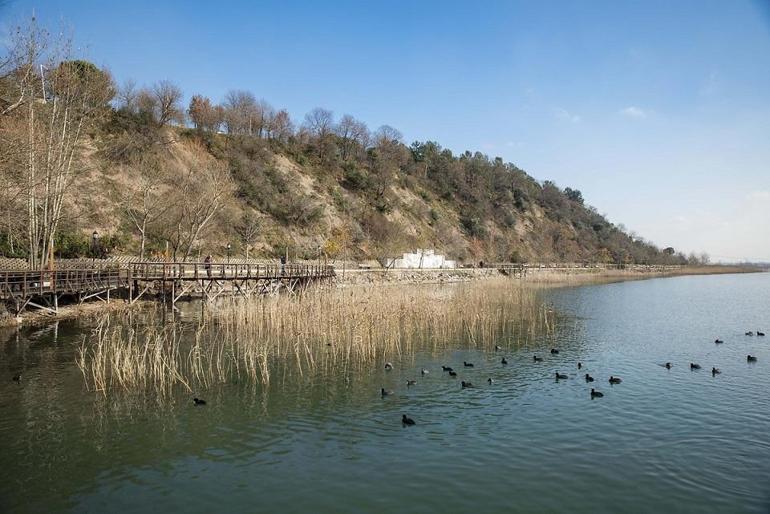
<point x="634" y="112"/>
<point x="564" y="114"/>
<point x="758" y="195"/>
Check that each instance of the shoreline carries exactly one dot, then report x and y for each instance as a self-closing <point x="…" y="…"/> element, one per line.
<point x="551" y="277"/>
<point x="555" y="276"/>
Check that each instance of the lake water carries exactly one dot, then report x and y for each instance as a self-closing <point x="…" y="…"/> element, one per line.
<point x="661" y="441"/>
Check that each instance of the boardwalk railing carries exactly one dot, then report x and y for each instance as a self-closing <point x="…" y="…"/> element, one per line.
<point x="23" y="284"/>
<point x="203" y="271"/>
<point x="43" y="289"/>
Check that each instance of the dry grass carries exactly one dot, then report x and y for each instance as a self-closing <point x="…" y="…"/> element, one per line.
<point x="323" y="330"/>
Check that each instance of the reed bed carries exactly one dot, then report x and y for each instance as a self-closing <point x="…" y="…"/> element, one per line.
<point x="320" y="331"/>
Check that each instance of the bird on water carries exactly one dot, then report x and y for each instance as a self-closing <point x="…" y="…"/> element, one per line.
<point x="406" y="420"/>
<point x="498" y="347"/>
<point x="715" y="371"/>
<point x="452" y="373"/>
<point x="760" y="334"/>
<point x="388" y="365"/>
<point x="589" y="378"/>
<point x="561" y="376"/>
<point x="504" y="361"/>
<point x="468" y="364"/>
<point x="667" y="365"/>
<point x="490" y="380"/>
<point x="17" y="377"/>
<point x="424" y="371"/>
<point x="615" y="380"/>
<point x="465" y="384"/>
<point x="385" y="392"/>
<point x="446" y="368"/>
<point x="694" y="366"/>
<point x="554" y="351"/>
<point x="580" y="365"/>
<point x="410" y="383"/>
<point x="750" y="358"/>
<point x="537" y="359"/>
<point x="199" y="401"/>
<point x="596" y="394"/>
<point x="718" y="341"/>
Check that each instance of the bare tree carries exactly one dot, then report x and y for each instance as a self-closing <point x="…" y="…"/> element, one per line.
<point x="144" y="202"/>
<point x="248" y="230"/>
<point x="351" y="133"/>
<point x="198" y="198"/>
<point x="280" y="125"/>
<point x="45" y="129"/>
<point x="387" y="135"/>
<point x="204" y="115"/>
<point x="168" y="102"/>
<point x="242" y="113"/>
<point x="127" y="96"/>
<point x="319" y="122"/>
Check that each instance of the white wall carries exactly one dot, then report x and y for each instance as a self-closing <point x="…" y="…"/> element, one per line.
<point x="421" y="259"/>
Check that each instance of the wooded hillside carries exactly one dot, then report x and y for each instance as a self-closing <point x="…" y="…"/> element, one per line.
<point x="147" y="172"/>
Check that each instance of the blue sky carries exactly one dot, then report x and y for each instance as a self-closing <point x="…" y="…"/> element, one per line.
<point x="658" y="111"/>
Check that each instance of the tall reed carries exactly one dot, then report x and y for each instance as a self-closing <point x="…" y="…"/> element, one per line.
<point x="321" y="330"/>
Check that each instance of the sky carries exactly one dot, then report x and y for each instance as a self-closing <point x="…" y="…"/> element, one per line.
<point x="658" y="111"/>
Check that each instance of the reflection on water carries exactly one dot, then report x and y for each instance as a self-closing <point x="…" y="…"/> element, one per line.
<point x="662" y="441"/>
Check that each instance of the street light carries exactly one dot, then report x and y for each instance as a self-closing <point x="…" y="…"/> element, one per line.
<point x="229" y="246"/>
<point x="94" y="246"/>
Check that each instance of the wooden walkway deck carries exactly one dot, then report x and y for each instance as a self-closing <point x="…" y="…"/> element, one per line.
<point x="170" y="281"/>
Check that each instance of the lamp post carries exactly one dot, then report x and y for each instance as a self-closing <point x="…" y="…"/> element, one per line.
<point x="94" y="246"/>
<point x="229" y="246"/>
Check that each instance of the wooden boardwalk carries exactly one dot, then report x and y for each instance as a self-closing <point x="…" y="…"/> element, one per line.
<point x="169" y="281"/>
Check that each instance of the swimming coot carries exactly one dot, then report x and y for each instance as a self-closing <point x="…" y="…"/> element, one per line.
<point x="537" y="359"/>
<point x="667" y="365"/>
<point x="580" y="365"/>
<point x="589" y="378"/>
<point x="718" y="341"/>
<point x="694" y="366"/>
<point x="465" y="384"/>
<point x="385" y="392"/>
<point x="407" y="421"/>
<point x="750" y="358"/>
<point x="596" y="394"/>
<point x="468" y="364"/>
<point x="452" y="373"/>
<point x="17" y="377"/>
<point x="554" y="351"/>
<point x="561" y="376"/>
<point x="760" y="334"/>
<point x="410" y="383"/>
<point x="503" y="361"/>
<point x="388" y="365"/>
<point x="490" y="380"/>
<point x="447" y="368"/>
<point x="715" y="371"/>
<point x="615" y="380"/>
<point x="199" y="401"/>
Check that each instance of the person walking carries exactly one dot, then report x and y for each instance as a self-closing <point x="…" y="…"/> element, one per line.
<point x="207" y="265"/>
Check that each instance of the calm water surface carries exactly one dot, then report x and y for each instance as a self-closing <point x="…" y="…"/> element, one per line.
<point x="662" y="441"/>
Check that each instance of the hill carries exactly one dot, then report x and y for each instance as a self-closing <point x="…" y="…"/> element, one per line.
<point x="82" y="156"/>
